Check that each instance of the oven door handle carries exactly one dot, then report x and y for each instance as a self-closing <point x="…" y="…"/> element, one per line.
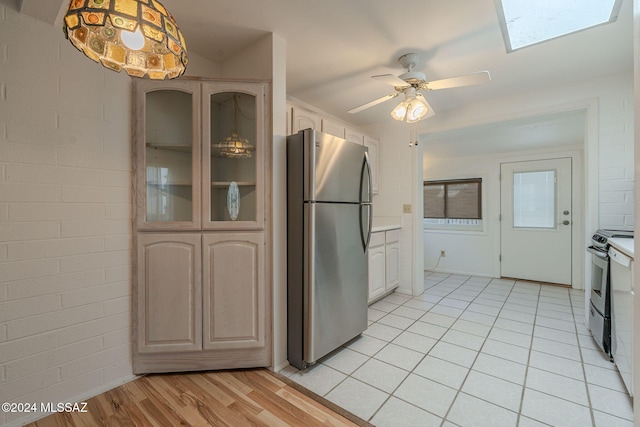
<point x="599" y="254"/>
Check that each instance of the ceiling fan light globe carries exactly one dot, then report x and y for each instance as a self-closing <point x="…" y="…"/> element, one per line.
<point x="413" y="119"/>
<point x="416" y="111"/>
<point x="400" y="112"/>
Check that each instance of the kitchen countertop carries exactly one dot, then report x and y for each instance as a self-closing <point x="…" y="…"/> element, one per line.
<point x="378" y="228"/>
<point x="624" y="245"/>
<point x="384" y="223"/>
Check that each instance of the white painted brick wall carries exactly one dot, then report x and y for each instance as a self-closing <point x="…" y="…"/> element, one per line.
<point x="65" y="219"/>
<point x="616" y="163"/>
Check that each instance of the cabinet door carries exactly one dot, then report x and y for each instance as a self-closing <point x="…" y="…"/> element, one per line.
<point x="332" y="128"/>
<point x="373" y="145"/>
<point x="167" y="117"/>
<point x="290" y="108"/>
<point x="392" y="251"/>
<point x="235" y="296"/>
<point x="353" y="136"/>
<point x="377" y="277"/>
<point x="304" y="119"/>
<point x="168" y="291"/>
<point x="233" y="155"/>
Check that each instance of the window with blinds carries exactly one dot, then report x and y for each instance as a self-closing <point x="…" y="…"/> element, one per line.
<point x="455" y="202"/>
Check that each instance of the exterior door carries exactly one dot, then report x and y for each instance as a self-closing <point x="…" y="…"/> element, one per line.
<point x="536" y="220"/>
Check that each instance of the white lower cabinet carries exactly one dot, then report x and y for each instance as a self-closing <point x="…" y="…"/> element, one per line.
<point x="384" y="263"/>
<point x="392" y="252"/>
<point x="377" y="261"/>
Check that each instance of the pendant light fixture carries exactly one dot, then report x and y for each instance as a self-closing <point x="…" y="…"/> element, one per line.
<point x="234" y="146"/>
<point x="412" y="108"/>
<point x="139" y="36"/>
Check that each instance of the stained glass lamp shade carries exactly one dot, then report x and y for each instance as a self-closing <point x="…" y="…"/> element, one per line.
<point x="235" y="146"/>
<point x="139" y="36"/>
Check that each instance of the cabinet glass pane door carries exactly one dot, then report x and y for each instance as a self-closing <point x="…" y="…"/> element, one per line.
<point x="169" y="152"/>
<point x="233" y="156"/>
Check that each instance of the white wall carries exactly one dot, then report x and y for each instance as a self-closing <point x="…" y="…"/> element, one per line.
<point x="400" y="165"/>
<point x="608" y="164"/>
<point x="65" y="218"/>
<point x="615" y="156"/>
<point x="476" y="252"/>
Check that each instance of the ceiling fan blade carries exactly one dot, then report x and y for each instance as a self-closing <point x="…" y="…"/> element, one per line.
<point x="372" y="103"/>
<point x="467" y="80"/>
<point x="430" y="111"/>
<point x="390" y="79"/>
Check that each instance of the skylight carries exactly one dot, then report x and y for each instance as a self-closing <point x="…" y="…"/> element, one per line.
<point x="527" y="22"/>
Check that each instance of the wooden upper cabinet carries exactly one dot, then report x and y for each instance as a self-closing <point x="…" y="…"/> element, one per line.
<point x="353" y="136"/>
<point x="167" y="129"/>
<point x="233" y="134"/>
<point x="333" y="128"/>
<point x="200" y="155"/>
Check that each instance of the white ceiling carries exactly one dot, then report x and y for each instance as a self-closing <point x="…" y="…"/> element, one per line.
<point x="334" y="46"/>
<point x="557" y="131"/>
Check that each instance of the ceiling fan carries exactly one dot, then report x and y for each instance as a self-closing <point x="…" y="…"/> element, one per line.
<point x="415" y="107"/>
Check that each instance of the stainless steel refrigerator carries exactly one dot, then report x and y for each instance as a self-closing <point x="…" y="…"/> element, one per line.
<point x="329" y="215"/>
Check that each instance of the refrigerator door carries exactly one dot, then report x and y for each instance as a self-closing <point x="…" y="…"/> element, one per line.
<point x="337" y="278"/>
<point x="337" y="170"/>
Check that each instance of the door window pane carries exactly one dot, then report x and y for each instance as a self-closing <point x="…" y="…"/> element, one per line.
<point x="534" y="199"/>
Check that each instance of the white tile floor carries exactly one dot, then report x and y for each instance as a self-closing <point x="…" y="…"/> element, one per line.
<point x="475" y="351"/>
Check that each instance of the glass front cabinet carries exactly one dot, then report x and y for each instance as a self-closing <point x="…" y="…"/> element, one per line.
<point x="201" y="294"/>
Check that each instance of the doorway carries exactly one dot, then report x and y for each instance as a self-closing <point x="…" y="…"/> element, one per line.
<point x="536" y="220"/>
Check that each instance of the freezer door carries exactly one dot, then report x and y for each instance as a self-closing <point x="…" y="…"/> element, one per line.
<point x="337" y="170"/>
<point x="336" y="267"/>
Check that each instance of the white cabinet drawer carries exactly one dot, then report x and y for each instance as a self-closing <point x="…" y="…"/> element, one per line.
<point x="377" y="239"/>
<point x="393" y="236"/>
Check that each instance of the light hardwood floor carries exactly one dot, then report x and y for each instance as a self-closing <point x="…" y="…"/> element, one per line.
<point x="236" y="398"/>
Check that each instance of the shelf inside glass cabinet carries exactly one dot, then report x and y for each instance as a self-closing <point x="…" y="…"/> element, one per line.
<point x="226" y="184"/>
<point x="180" y="148"/>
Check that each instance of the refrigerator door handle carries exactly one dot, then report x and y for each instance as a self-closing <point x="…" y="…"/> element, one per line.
<point x="308" y="292"/>
<point x="365" y="239"/>
<point x="366" y="167"/>
<point x="370" y="207"/>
